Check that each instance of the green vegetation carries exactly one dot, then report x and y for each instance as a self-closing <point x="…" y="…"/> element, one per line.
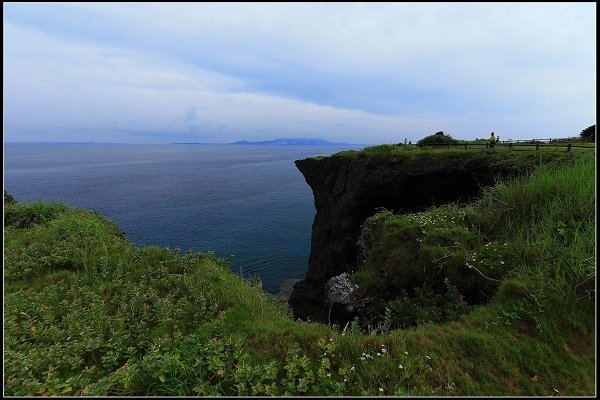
<point x="87" y="313"/>
<point x="438" y="138"/>
<point x="588" y="134"/>
<point x="465" y="252"/>
<point x="8" y="199"/>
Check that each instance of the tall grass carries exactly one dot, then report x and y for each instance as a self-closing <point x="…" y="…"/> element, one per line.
<point x="554" y="217"/>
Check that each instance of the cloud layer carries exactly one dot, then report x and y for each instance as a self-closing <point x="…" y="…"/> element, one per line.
<point x="357" y="72"/>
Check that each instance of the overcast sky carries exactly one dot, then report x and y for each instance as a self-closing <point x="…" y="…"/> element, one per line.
<point x="352" y="72"/>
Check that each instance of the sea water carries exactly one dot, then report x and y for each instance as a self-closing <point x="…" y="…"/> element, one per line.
<point x="249" y="202"/>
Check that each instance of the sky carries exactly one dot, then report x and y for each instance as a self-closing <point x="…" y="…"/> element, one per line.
<point x="362" y="73"/>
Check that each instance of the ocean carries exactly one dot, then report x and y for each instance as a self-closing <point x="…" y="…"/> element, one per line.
<point x="249" y="202"/>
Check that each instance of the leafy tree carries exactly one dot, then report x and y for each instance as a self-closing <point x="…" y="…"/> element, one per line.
<point x="589" y="134"/>
<point x="436" y="139"/>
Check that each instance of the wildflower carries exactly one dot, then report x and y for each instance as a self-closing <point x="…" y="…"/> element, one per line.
<point x="401" y="366"/>
<point x="501" y="262"/>
<point x="381" y="389"/>
<point x="406" y="352"/>
<point x="329" y="374"/>
<point x="362" y="358"/>
<point x="427" y="357"/>
<point x="352" y="368"/>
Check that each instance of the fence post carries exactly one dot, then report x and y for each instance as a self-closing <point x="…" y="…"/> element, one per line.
<point x="465" y="145"/>
<point x="537" y="145"/>
<point x="569" y="147"/>
<point x="510" y="146"/>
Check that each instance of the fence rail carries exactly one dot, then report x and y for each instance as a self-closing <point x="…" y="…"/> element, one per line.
<point x="510" y="144"/>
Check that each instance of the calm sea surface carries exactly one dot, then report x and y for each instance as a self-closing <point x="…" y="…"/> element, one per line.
<point x="246" y="201"/>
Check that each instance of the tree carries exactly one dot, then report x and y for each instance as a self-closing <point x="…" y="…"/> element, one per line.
<point x="589" y="134"/>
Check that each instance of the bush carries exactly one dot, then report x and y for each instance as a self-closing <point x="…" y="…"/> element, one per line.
<point x="438" y="138"/>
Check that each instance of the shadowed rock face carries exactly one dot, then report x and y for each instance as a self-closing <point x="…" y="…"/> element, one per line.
<point x="349" y="190"/>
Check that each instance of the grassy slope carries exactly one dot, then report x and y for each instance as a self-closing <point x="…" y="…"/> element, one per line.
<point x="88" y="313"/>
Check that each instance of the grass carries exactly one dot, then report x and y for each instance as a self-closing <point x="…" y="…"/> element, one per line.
<point x="87" y="313"/>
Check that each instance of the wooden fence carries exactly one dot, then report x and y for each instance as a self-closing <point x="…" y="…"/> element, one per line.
<point x="510" y="144"/>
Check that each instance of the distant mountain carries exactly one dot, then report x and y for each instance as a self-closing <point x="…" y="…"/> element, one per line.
<point x="293" y="142"/>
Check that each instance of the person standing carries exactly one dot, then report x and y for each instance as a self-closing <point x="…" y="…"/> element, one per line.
<point x="492" y="139"/>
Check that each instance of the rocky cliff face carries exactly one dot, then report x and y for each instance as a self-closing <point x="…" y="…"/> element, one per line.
<point x="347" y="190"/>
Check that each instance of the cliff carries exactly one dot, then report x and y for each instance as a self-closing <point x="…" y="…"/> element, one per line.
<point x="351" y="186"/>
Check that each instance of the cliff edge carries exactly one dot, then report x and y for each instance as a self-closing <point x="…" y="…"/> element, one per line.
<point x="349" y="187"/>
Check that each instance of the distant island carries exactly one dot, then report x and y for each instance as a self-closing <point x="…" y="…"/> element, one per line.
<point x="293" y="142"/>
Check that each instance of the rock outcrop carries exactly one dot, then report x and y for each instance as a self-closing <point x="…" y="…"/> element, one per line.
<point x="341" y="297"/>
<point x="347" y="190"/>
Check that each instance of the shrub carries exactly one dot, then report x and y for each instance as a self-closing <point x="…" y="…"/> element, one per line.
<point x="437" y="138"/>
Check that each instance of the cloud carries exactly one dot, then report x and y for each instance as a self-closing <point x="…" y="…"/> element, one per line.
<point x="352" y="72"/>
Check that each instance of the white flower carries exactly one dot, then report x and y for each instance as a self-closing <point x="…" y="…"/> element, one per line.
<point x="400" y="366"/>
<point x="381" y="389"/>
<point x="378" y="354"/>
<point x="406" y="352"/>
<point x="352" y="369"/>
<point x="427" y="357"/>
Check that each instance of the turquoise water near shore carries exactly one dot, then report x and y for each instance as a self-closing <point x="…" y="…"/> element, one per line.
<point x="249" y="202"/>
